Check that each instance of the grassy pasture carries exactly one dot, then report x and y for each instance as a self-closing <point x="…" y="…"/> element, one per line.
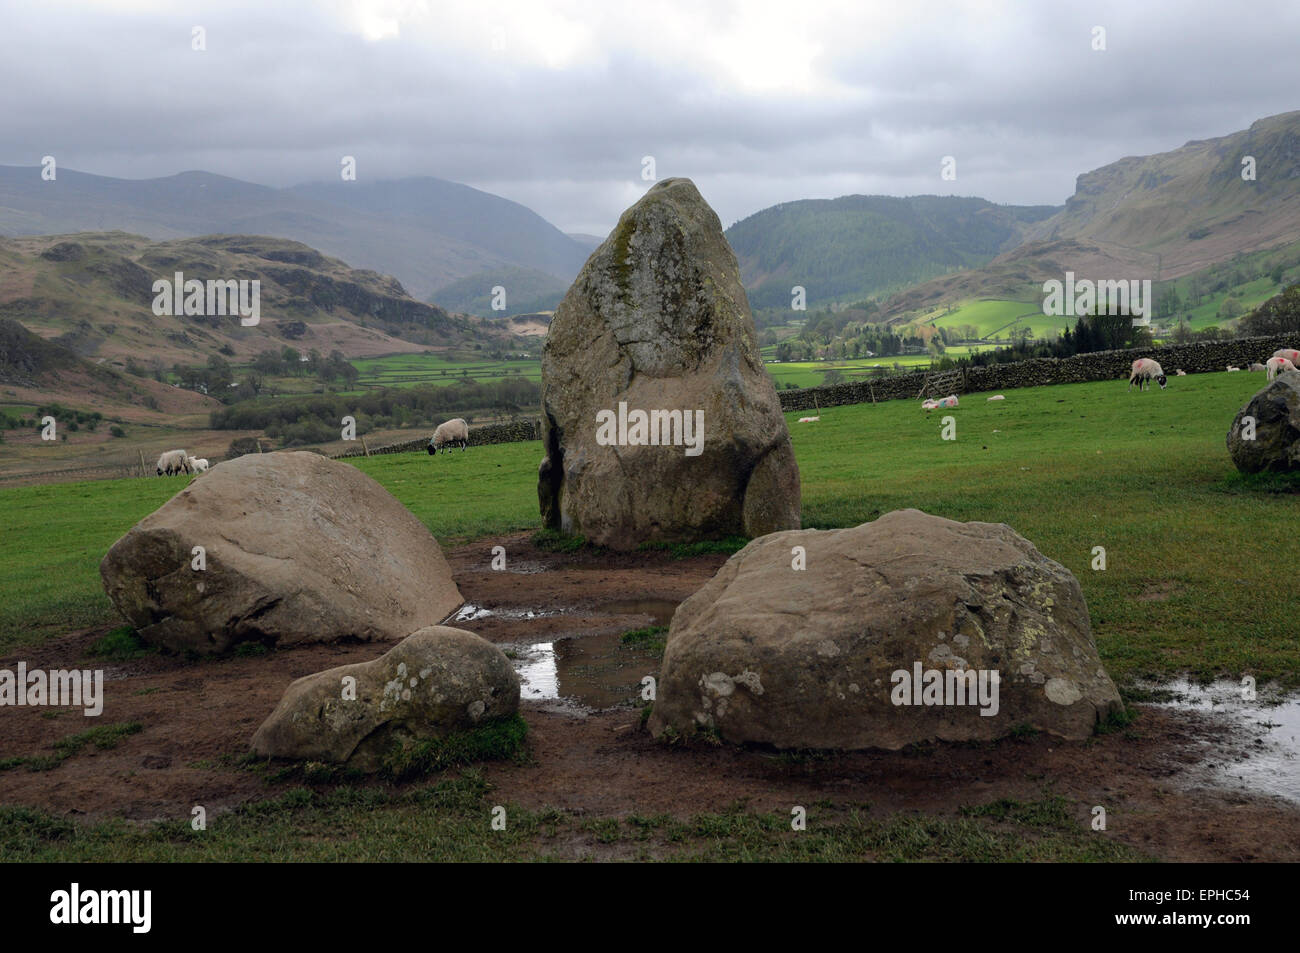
<point x="1192" y="553"/>
<point x="404" y="370"/>
<point x="1193" y="559"/>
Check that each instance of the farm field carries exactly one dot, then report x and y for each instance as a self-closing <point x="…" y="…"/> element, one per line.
<point x="1189" y="588"/>
<point x="403" y="370"/>
<point x="813" y="373"/>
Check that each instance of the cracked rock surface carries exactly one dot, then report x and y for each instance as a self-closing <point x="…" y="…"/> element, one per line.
<point x="770" y="654"/>
<point x="296" y="548"/>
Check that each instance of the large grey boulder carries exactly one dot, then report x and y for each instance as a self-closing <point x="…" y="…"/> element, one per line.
<point x="1276" y="438"/>
<point x="295" y="548"/>
<point x="657" y="321"/>
<point x="831" y="656"/>
<point x="435" y="682"/>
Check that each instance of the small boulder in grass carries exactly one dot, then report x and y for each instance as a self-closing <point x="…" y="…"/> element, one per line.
<point x="435" y="684"/>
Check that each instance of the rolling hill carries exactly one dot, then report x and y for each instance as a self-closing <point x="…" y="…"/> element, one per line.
<point x="862" y="245"/>
<point x="526" y="291"/>
<point x="93" y="293"/>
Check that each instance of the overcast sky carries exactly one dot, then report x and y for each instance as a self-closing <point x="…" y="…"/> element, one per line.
<point x="555" y="104"/>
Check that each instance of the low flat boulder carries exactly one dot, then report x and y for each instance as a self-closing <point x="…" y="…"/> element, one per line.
<point x="295" y="548"/>
<point x="433" y="683"/>
<point x="907" y="629"/>
<point x="1272" y="442"/>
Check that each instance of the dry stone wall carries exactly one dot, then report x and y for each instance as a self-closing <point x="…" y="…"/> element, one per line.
<point x="1201" y="357"/>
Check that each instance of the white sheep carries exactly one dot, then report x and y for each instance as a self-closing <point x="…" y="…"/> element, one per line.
<point x="200" y="464"/>
<point x="1180" y="372"/>
<point x="996" y="397"/>
<point x="809" y="420"/>
<point x="1232" y="369"/>
<point x="452" y="431"/>
<point x="174" y="461"/>
<point x="1256" y="367"/>
<point x="1144" y="371"/>
<point x="1276" y="365"/>
<point x="1290" y="353"/>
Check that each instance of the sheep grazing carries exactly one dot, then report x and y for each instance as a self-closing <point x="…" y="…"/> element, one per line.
<point x="1256" y="367"/>
<point x="1290" y="353"/>
<point x="1144" y="371"/>
<point x="174" y="461"/>
<point x="1276" y="365"/>
<point x="1180" y="372"/>
<point x="450" y="432"/>
<point x="200" y="464"/>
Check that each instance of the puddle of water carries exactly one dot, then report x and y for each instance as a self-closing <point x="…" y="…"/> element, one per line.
<point x="1269" y="762"/>
<point x="590" y="671"/>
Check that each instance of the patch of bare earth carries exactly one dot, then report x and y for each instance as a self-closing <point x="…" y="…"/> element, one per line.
<point x="198" y="716"/>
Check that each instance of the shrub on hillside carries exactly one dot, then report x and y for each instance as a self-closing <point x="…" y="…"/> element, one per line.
<point x="1280" y="314"/>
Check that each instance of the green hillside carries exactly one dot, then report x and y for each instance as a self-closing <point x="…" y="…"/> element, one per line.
<point x="526" y="291"/>
<point x="861" y="245"/>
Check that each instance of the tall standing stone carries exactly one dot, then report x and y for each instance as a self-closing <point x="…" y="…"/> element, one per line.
<point x="658" y="321"/>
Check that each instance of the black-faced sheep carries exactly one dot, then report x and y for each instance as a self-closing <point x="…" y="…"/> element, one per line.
<point x="450" y="432"/>
<point x="1144" y="371"/>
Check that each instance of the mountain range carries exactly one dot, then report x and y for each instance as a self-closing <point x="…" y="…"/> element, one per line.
<point x="426" y="232"/>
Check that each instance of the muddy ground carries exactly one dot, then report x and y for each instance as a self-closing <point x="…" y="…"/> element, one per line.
<point x="198" y="716"/>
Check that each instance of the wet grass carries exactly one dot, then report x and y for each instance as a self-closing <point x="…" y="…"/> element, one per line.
<point x="103" y="737"/>
<point x="452" y="819"/>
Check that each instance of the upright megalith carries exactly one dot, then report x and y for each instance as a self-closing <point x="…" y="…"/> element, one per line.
<point x="658" y="419"/>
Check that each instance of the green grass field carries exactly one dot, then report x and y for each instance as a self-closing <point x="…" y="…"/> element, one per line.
<point x="1191" y="586"/>
<point x="996" y="319"/>
<point x="404" y="370"/>
<point x="1070" y="467"/>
